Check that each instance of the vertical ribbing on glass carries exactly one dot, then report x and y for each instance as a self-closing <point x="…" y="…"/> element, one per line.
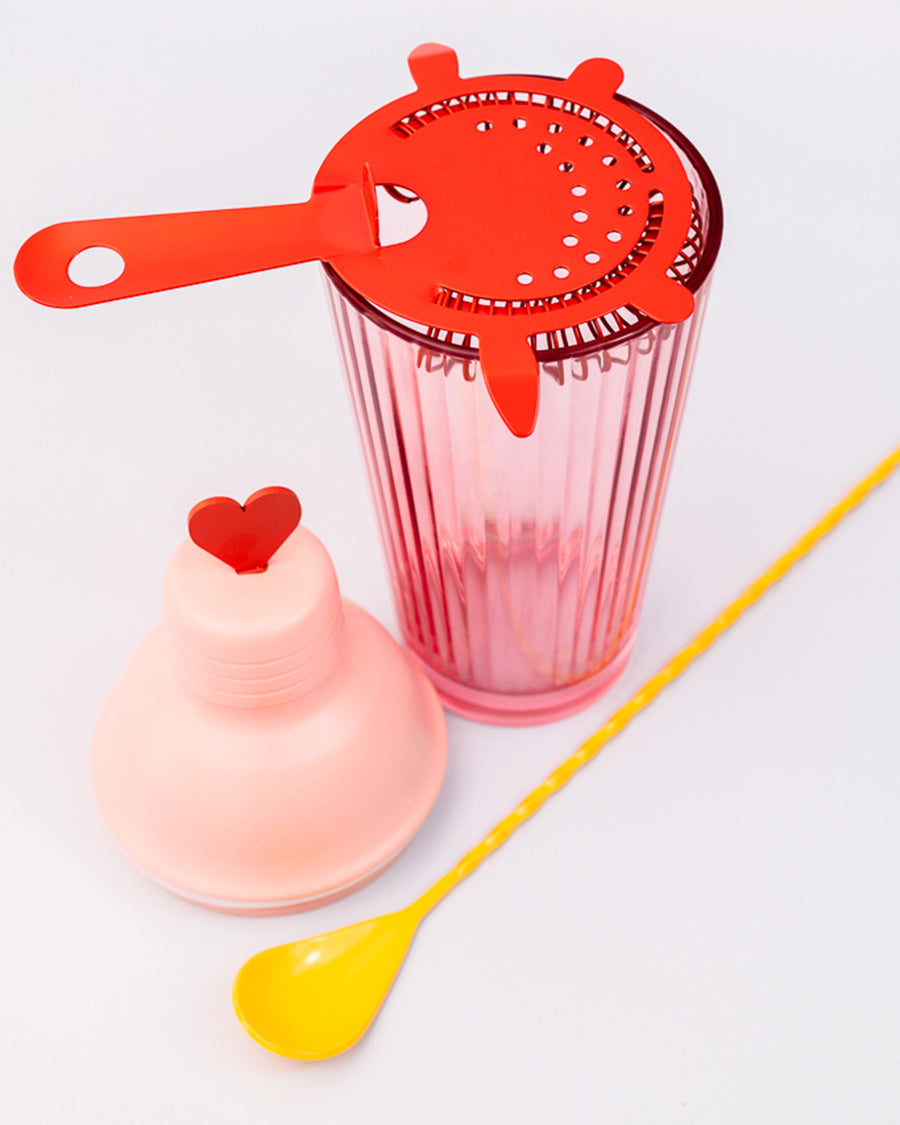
<point x="518" y="565"/>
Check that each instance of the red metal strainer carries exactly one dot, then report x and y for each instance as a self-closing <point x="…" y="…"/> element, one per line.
<point x="549" y="201"/>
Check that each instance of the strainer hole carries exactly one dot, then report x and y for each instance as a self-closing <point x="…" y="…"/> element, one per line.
<point x="567" y="166"/>
<point x="519" y="123"/>
<point x="580" y="216"/>
<point x="623" y="185"/>
<point x="484" y="126"/>
<point x="586" y="141"/>
<point x="524" y="279"/>
<point x="579" y="189"/>
<point x="555" y="127"/>
<point x="544" y="148"/>
<point x="593" y="257"/>
<point x="614" y="235"/>
<point x="570" y="240"/>
<point x="609" y="161"/>
<point x="626" y="210"/>
<point x="560" y="272"/>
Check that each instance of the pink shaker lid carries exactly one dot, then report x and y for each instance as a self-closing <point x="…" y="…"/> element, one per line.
<point x="271" y="747"/>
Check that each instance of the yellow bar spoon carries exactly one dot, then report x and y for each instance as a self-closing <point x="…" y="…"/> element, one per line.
<point x="315" y="998"/>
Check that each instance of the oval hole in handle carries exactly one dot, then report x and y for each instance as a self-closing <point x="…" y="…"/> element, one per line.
<point x="95" y="266"/>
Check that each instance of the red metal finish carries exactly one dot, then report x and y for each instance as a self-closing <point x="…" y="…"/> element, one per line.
<point x="550" y="202"/>
<point x="539" y="194"/>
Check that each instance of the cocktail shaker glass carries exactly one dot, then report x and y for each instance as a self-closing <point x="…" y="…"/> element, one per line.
<point x="519" y="564"/>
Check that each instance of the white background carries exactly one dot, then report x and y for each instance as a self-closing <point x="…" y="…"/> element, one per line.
<point x="704" y="927"/>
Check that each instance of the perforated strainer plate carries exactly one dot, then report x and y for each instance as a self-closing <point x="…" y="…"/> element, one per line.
<point x="550" y="203"/>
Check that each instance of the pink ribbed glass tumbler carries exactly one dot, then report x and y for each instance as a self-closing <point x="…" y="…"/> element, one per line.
<point x="519" y="563"/>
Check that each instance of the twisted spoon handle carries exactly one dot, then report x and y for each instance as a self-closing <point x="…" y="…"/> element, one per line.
<point x="589" y="749"/>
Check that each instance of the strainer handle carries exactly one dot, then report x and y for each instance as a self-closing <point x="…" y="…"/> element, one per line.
<point x="168" y="251"/>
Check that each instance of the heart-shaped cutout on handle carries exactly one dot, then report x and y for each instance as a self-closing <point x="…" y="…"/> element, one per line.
<point x="245" y="536"/>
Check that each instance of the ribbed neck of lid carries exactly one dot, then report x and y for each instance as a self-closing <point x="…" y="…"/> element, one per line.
<point x="261" y="683"/>
<point x="254" y="640"/>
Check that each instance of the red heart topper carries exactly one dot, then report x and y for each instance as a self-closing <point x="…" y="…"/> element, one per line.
<point x="245" y="536"/>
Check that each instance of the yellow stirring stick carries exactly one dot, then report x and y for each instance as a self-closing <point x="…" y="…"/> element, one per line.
<point x="315" y="998"/>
